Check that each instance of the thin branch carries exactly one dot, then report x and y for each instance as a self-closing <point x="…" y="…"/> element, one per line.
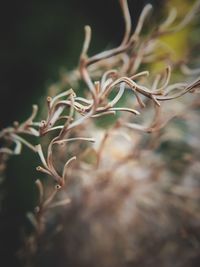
<point x="127" y="20"/>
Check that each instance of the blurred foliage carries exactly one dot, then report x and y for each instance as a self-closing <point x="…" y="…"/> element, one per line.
<point x="39" y="39"/>
<point x="179" y="42"/>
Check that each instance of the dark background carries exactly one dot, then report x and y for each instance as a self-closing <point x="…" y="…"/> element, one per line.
<point x="37" y="39"/>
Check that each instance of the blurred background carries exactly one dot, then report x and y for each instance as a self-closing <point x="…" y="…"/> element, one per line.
<point x="39" y="40"/>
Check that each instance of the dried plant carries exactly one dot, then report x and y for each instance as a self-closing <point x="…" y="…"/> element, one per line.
<point x="121" y="69"/>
